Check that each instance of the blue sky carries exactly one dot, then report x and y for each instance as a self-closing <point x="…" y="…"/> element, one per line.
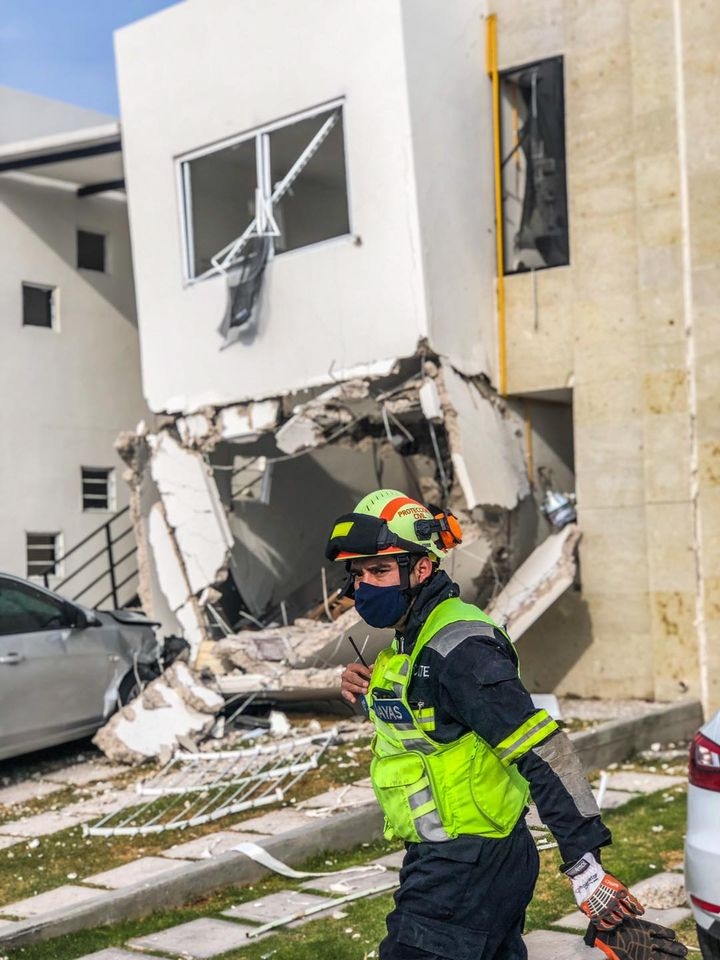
<point x="64" y="48"/>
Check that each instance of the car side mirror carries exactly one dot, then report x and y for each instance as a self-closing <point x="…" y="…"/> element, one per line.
<point x="78" y="618"/>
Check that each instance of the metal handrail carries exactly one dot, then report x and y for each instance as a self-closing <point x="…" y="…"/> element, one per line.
<point x="92" y="559"/>
<point x="106" y="550"/>
<point x="81" y="543"/>
<point x="122" y="583"/>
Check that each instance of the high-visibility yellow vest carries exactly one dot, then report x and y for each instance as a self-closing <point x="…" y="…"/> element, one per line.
<point x="435" y="791"/>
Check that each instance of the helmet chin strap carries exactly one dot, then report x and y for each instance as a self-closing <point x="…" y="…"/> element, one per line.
<point x="403" y="562"/>
<point x="407" y="563"/>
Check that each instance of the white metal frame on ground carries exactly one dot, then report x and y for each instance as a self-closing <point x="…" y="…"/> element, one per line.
<point x="196" y="788"/>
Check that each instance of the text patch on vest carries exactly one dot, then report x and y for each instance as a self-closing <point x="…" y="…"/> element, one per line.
<point x="391" y="711"/>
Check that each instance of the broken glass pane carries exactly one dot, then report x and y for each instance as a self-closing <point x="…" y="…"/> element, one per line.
<point x="220" y="201"/>
<point x="315" y="208"/>
<point x="533" y="167"/>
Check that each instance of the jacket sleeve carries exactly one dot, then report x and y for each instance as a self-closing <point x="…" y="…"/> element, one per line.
<point x="481" y="689"/>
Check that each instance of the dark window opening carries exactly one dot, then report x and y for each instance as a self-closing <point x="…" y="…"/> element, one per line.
<point x="532" y="117"/>
<point x="222" y="200"/>
<point x="97" y="488"/>
<point x="315" y="208"/>
<point x="91" y="251"/>
<point x="42" y="553"/>
<point x="38" y="305"/>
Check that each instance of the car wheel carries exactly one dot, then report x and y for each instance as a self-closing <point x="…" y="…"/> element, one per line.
<point x="709" y="945"/>
<point x="132" y="684"/>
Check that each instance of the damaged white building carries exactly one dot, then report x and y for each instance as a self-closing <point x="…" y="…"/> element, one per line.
<point x="312" y="199"/>
<point x="354" y="195"/>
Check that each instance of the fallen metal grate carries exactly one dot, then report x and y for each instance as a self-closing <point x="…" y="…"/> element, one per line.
<point x="195" y="788"/>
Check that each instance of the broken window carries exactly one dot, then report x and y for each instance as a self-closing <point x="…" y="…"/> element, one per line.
<point x="91" y="251"/>
<point x="532" y="120"/>
<point x="285" y="181"/>
<point x="38" y="304"/>
<point x="43" y="551"/>
<point x="315" y="207"/>
<point x="220" y="200"/>
<point x="98" y="488"/>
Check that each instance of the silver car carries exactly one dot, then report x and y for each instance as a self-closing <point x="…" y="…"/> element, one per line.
<point x="702" y="841"/>
<point x="64" y="668"/>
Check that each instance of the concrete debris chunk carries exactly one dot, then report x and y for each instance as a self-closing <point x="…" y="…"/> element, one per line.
<point x="330" y="409"/>
<point x="304" y="658"/>
<point x="193" y="510"/>
<point x="176" y="706"/>
<point x="537" y="583"/>
<point x="475" y="426"/>
<point x="305" y="643"/>
<point x="280" y="726"/>
<point x="247" y="421"/>
<point x="661" y="892"/>
<point x="322" y="683"/>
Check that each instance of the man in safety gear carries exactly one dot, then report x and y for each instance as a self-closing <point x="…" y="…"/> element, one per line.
<point x="458" y="748"/>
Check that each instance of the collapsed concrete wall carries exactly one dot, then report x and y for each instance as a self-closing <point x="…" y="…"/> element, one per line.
<point x="242" y="497"/>
<point x="173" y="710"/>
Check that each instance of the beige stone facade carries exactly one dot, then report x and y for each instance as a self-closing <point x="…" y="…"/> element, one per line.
<point x="631" y="325"/>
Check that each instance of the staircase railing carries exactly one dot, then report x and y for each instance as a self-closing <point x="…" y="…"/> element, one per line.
<point x="111" y="569"/>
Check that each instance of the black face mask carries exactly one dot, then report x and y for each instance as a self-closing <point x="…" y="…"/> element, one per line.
<point x="381" y="606"/>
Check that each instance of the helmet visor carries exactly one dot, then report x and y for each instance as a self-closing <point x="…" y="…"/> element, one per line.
<point x="360" y="535"/>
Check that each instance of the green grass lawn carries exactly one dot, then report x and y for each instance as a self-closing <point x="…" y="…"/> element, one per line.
<point x="648" y="838"/>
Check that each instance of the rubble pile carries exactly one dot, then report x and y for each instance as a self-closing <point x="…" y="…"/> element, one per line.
<point x="175" y="710"/>
<point x="307" y="655"/>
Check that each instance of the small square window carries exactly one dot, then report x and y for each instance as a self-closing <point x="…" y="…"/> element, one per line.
<point x="38" y="305"/>
<point x="98" y="488"/>
<point x="91" y="251"/>
<point x="43" y="553"/>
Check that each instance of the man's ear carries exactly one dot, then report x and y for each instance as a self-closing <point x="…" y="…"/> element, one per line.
<point x="423" y="569"/>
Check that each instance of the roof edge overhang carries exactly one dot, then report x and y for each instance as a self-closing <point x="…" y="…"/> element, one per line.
<point x="75" y="144"/>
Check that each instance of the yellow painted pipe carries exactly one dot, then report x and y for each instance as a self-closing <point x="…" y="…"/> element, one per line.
<point x="491" y="61"/>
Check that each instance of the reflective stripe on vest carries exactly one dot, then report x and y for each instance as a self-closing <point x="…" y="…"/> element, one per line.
<point x="425" y="717"/>
<point x="536" y="729"/>
<point x="445" y="641"/>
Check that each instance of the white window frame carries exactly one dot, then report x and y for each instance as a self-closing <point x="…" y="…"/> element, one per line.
<point x="59" y="551"/>
<point x="111" y="490"/>
<point x="264" y="183"/>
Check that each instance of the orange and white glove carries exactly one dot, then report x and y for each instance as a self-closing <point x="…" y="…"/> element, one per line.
<point x="601" y="896"/>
